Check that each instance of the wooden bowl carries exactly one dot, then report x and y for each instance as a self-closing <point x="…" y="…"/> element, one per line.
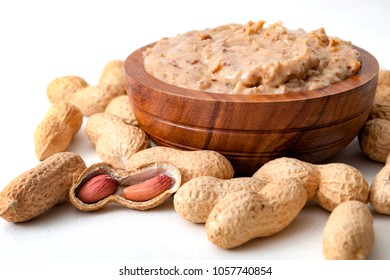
<point x="250" y="130"/>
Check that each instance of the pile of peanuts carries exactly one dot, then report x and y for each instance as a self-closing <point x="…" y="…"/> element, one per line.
<point x="136" y="175"/>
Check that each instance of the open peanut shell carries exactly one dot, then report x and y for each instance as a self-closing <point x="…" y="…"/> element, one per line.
<point x="126" y="179"/>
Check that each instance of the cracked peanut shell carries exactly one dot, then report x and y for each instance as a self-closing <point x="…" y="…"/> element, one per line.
<point x="190" y="163"/>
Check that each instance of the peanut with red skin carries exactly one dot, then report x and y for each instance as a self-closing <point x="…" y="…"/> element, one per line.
<point x="166" y="179"/>
<point x="190" y="163"/>
<point x="97" y="188"/>
<point x="149" y="189"/>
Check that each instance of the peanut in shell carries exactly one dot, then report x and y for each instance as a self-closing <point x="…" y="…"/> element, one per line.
<point x="195" y="199"/>
<point x="125" y="179"/>
<point x="56" y="131"/>
<point x="190" y="163"/>
<point x="114" y="140"/>
<point x="244" y="215"/>
<point x="37" y="190"/>
<point x="379" y="196"/>
<point x="349" y="232"/>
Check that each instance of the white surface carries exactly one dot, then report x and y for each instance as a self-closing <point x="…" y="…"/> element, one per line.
<point x="42" y="40"/>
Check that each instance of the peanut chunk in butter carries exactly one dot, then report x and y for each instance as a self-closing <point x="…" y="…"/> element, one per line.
<point x="252" y="59"/>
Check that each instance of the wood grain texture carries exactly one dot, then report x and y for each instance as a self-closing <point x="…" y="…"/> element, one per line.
<point x="250" y="130"/>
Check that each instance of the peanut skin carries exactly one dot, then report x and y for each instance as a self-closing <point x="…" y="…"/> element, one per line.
<point x="55" y="133"/>
<point x="37" y="190"/>
<point x="190" y="163"/>
<point x="97" y="188"/>
<point x="149" y="189"/>
<point x="349" y="232"/>
<point x="244" y="215"/>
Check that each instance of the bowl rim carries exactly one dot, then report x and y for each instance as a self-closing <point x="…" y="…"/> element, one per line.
<point x="134" y="68"/>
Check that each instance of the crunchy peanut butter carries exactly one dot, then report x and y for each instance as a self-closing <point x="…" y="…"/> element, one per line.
<point x="252" y="59"/>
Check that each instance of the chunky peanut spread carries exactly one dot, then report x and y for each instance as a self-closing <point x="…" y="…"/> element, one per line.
<point x="252" y="59"/>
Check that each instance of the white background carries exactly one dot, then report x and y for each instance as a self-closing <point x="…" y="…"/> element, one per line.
<point x="41" y="40"/>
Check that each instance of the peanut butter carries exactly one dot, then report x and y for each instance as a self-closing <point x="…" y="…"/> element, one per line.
<point x="252" y="59"/>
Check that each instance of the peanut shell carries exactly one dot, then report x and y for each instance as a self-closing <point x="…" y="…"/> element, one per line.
<point x="118" y="146"/>
<point x="384" y="77"/>
<point x="190" y="163"/>
<point x="374" y="139"/>
<point x="40" y="188"/>
<point x="63" y="89"/>
<point x="113" y="74"/>
<point x="380" y="110"/>
<point x="195" y="199"/>
<point x="115" y="140"/>
<point x="94" y="99"/>
<point x="244" y="215"/>
<point x="289" y="168"/>
<point x="120" y="107"/>
<point x="100" y="123"/>
<point x="55" y="133"/>
<point x="382" y="94"/>
<point x="379" y="196"/>
<point x="349" y="232"/>
<point x="340" y="182"/>
<point x="126" y="178"/>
